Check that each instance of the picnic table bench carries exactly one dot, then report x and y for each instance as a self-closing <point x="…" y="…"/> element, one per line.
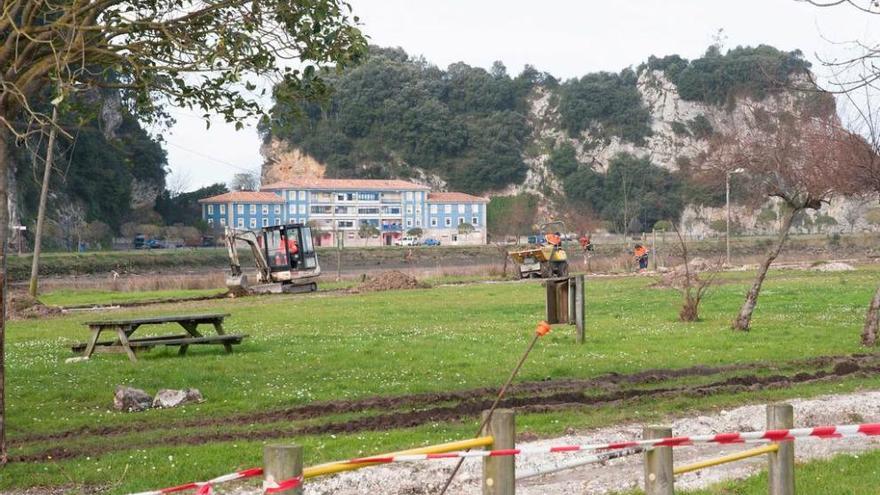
<point x="124" y="328"/>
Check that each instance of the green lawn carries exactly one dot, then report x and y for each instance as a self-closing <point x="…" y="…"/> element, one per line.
<point x="338" y="346"/>
<point x="841" y="475"/>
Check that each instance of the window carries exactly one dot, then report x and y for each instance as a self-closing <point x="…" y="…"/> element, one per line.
<point x="222" y="221"/>
<point x="277" y="221"/>
<point x="291" y="195"/>
<point x="418" y="222"/>
<point x="210" y="221"/>
<point x="409" y="222"/>
<point x="253" y="223"/>
<point x="409" y="196"/>
<point x="302" y="209"/>
<point x="240" y="209"/>
<point x="368" y="196"/>
<point x="319" y="210"/>
<point x="241" y="223"/>
<point x="394" y="210"/>
<point x="345" y="224"/>
<point x="474" y="221"/>
<point x="210" y="209"/>
<point x="302" y="195"/>
<point x="265" y="210"/>
<point x="447" y="208"/>
<point x="448" y="222"/>
<point x="419" y="211"/>
<point x="265" y="222"/>
<point x="475" y="208"/>
<point x="433" y="209"/>
<point x="409" y="209"/>
<point x="433" y="222"/>
<point x="277" y="209"/>
<point x="253" y="209"/>
<point x="460" y="220"/>
<point x="222" y="209"/>
<point x="461" y="208"/>
<point x="340" y="197"/>
<point x="368" y="211"/>
<point x="291" y="209"/>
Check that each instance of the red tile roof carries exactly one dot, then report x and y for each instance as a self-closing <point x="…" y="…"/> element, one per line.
<point x="347" y="184"/>
<point x="454" y="197"/>
<point x="244" y="197"/>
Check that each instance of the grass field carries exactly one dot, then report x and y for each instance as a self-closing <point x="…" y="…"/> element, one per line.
<point x="336" y="346"/>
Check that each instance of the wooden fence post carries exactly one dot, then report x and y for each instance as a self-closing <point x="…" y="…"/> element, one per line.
<point x="580" y="307"/>
<point x="283" y="462"/>
<point x="781" y="462"/>
<point x="659" y="479"/>
<point x="499" y="476"/>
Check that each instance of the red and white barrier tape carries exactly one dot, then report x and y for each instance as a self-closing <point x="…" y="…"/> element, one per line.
<point x="824" y="432"/>
<point x="270" y="487"/>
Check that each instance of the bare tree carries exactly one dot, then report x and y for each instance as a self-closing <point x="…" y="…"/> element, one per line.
<point x="245" y="181"/>
<point x="792" y="156"/>
<point x="694" y="286"/>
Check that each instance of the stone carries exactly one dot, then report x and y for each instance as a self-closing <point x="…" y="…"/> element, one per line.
<point x="167" y="398"/>
<point x="130" y="399"/>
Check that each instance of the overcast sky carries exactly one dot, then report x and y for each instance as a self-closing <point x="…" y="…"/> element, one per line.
<point x="565" y="38"/>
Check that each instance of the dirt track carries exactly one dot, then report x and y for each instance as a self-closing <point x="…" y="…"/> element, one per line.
<point x="413" y="410"/>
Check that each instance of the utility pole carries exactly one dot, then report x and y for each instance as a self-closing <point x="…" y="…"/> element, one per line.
<point x="727" y="202"/>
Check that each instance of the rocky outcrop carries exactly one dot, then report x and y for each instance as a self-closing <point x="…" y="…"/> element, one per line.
<point x="284" y="162"/>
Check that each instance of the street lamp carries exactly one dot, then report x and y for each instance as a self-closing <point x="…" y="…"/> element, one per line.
<point x="727" y="202"/>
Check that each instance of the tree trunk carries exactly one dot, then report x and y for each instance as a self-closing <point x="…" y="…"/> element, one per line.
<point x="4" y="237"/>
<point x="744" y="319"/>
<point x="41" y="212"/>
<point x="872" y="321"/>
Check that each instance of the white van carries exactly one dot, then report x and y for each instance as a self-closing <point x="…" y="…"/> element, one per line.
<point x="407" y="241"/>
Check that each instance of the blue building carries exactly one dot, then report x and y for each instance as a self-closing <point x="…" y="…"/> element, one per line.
<point x="341" y="206"/>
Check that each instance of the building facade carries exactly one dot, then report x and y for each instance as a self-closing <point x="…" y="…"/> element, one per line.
<point x="338" y="208"/>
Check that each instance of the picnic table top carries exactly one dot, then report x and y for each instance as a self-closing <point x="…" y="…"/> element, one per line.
<point x="159" y="319"/>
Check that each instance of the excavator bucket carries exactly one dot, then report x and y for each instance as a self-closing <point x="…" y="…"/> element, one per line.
<point x="237" y="285"/>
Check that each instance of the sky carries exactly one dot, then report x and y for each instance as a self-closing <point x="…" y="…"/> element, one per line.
<point x="566" y="38"/>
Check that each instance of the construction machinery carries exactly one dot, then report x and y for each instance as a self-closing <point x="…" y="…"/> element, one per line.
<point x="285" y="258"/>
<point x="546" y="258"/>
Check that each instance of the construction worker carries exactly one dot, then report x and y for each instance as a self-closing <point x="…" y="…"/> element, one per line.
<point x="586" y="243"/>
<point x="640" y="253"/>
<point x="292" y="250"/>
<point x="554" y="239"/>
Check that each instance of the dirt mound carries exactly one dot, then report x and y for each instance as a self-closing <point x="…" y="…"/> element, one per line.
<point x="22" y="306"/>
<point x="391" y="280"/>
<point x="834" y="266"/>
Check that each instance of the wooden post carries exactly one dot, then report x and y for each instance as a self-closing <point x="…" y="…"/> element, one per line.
<point x="658" y="463"/>
<point x="580" y="307"/>
<point x="781" y="462"/>
<point x="654" y="249"/>
<point x="572" y="300"/>
<point x="283" y="462"/>
<point x="551" y="301"/>
<point x="499" y="475"/>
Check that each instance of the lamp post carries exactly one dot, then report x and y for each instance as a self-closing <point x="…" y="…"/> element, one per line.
<point x="727" y="203"/>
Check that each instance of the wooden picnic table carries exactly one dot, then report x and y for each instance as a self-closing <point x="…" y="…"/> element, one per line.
<point x="124" y="328"/>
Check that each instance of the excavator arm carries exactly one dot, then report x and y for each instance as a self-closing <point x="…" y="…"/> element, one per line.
<point x="251" y="239"/>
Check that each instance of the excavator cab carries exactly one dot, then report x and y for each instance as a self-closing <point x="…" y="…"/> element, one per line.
<point x="285" y="257"/>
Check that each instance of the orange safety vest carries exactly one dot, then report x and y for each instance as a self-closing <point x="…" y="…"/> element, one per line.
<point x="292" y="246"/>
<point x="553" y="239"/>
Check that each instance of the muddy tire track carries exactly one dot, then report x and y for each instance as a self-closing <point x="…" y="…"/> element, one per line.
<point x="470" y="408"/>
<point x="316" y="410"/>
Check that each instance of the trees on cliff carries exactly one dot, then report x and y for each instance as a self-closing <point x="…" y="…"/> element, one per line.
<point x="157" y="52"/>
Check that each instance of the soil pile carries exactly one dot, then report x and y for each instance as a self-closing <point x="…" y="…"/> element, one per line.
<point x="21" y="306"/>
<point x="391" y="280"/>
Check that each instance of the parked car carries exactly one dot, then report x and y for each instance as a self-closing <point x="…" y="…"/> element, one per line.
<point x="154" y="244"/>
<point x="139" y="241"/>
<point x="430" y="242"/>
<point x="536" y="239"/>
<point x="407" y="241"/>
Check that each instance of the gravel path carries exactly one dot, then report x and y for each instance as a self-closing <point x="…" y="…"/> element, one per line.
<point x="620" y="474"/>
